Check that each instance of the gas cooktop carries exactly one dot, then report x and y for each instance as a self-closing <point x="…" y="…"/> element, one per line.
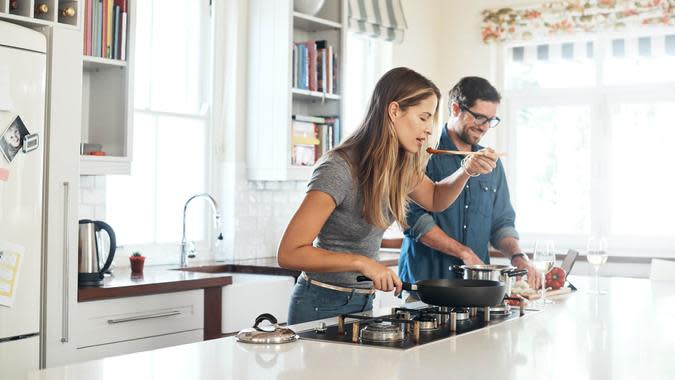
<point x="406" y="328"/>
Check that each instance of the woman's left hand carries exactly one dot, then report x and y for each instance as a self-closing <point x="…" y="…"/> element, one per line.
<point x="481" y="163"/>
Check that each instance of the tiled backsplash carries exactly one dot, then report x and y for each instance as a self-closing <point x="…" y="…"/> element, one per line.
<point x="262" y="211"/>
<point x="92" y="197"/>
<point x="255" y="214"/>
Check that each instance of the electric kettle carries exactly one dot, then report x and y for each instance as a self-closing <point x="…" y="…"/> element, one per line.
<point x="90" y="270"/>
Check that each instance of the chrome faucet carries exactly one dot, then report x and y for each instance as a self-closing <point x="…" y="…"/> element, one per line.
<point x="184" y="242"/>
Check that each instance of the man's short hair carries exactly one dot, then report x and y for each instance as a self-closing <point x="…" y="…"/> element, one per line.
<point x="470" y="89"/>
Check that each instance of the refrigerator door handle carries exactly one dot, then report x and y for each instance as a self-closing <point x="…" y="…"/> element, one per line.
<point x="66" y="277"/>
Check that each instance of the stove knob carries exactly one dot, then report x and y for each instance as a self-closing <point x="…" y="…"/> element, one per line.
<point x="321" y="328"/>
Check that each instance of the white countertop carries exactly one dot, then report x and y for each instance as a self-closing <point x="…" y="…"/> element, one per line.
<point x="626" y="334"/>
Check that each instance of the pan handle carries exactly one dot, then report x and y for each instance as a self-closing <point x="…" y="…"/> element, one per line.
<point x="457" y="269"/>
<point x="515" y="272"/>
<point x="406" y="285"/>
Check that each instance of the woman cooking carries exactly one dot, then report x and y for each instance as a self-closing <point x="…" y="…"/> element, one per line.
<point x="360" y="188"/>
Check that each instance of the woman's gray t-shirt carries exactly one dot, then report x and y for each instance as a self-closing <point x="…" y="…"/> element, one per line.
<point x="346" y="230"/>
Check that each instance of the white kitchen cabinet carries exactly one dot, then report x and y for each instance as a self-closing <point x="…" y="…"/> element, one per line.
<point x="64" y="75"/>
<point x="138" y="345"/>
<point x="104" y="326"/>
<point x="250" y="295"/>
<point x="273" y="29"/>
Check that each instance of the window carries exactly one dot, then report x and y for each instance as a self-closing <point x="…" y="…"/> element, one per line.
<point x="171" y="126"/>
<point x="367" y="60"/>
<point x="589" y="128"/>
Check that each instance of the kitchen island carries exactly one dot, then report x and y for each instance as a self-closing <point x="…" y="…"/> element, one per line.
<point x="626" y="334"/>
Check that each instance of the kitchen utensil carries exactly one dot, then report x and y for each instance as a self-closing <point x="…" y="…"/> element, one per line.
<point x="503" y="273"/>
<point x="90" y="270"/>
<point x="459" y="152"/>
<point x="271" y="334"/>
<point x="443" y="292"/>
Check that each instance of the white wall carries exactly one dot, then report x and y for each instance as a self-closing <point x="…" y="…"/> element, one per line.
<point x="443" y="42"/>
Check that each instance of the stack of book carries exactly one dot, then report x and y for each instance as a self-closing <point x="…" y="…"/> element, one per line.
<point x="105" y="28"/>
<point x="315" y="66"/>
<point x="313" y="136"/>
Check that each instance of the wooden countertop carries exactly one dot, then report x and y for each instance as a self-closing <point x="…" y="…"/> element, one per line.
<point x="154" y="280"/>
<point x="167" y="279"/>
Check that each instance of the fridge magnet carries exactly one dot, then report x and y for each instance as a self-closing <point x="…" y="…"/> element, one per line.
<point x="11" y="140"/>
<point x="4" y="174"/>
<point x="10" y="265"/>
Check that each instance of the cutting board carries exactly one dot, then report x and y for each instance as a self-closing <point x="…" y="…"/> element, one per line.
<point x="550" y="293"/>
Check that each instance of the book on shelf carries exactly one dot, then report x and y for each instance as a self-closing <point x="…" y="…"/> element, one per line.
<point x="105" y="27"/>
<point x="312" y="137"/>
<point x="314" y="66"/>
<point x="304" y="141"/>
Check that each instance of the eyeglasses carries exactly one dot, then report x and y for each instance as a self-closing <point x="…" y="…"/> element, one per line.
<point x="479" y="119"/>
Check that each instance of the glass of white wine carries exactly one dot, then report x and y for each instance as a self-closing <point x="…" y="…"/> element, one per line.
<point x="596" y="254"/>
<point x="543" y="260"/>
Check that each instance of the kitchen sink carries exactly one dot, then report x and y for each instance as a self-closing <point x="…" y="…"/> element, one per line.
<point x="242" y="268"/>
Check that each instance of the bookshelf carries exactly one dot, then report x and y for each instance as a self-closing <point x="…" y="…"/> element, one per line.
<point x="282" y="91"/>
<point x="107" y="96"/>
<point x="33" y="13"/>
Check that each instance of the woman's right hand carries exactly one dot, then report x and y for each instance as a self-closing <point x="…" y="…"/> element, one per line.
<point x="482" y="163"/>
<point x="383" y="278"/>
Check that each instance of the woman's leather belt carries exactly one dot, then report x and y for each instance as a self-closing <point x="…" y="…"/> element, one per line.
<point x="336" y="287"/>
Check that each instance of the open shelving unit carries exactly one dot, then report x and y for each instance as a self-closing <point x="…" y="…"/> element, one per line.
<point x="42" y="12"/>
<point x="275" y="30"/>
<point x="107" y="108"/>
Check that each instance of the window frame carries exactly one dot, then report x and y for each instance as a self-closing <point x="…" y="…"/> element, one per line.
<point x="599" y="98"/>
<point x="204" y="115"/>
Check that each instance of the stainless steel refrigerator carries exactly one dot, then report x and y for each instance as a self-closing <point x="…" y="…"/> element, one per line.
<point x="22" y="116"/>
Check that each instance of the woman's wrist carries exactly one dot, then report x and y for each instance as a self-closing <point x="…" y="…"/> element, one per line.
<point x="466" y="170"/>
<point x="360" y="263"/>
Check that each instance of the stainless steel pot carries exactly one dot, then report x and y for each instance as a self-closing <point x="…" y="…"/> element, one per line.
<point x="270" y="334"/>
<point x="501" y="273"/>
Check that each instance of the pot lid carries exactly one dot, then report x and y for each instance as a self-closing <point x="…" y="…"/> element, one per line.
<point x="269" y="334"/>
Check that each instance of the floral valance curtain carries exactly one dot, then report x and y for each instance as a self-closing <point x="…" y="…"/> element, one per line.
<point x="378" y="19"/>
<point x="572" y="17"/>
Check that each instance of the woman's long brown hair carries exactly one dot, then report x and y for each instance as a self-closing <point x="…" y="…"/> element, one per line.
<point x="386" y="172"/>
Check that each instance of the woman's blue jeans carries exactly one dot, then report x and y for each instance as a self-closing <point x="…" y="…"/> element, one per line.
<point x="311" y="302"/>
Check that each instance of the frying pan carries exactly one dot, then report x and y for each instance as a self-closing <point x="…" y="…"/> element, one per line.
<point x="456" y="293"/>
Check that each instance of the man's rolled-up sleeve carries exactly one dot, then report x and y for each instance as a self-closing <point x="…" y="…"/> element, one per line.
<point x="503" y="215"/>
<point x="419" y="222"/>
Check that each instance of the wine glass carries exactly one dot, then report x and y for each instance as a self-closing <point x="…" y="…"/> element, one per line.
<point x="596" y="254"/>
<point x="543" y="260"/>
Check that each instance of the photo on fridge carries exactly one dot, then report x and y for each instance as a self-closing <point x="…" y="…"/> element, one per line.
<point x="11" y="140"/>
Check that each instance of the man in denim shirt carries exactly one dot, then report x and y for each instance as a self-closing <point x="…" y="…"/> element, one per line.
<point x="482" y="213"/>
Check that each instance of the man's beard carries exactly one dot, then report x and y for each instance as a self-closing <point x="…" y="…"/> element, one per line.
<point x="467" y="138"/>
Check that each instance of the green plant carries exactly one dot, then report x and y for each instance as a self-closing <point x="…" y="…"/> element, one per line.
<point x="136" y="254"/>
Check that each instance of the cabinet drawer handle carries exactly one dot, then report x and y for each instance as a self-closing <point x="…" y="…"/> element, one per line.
<point x="142" y="317"/>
